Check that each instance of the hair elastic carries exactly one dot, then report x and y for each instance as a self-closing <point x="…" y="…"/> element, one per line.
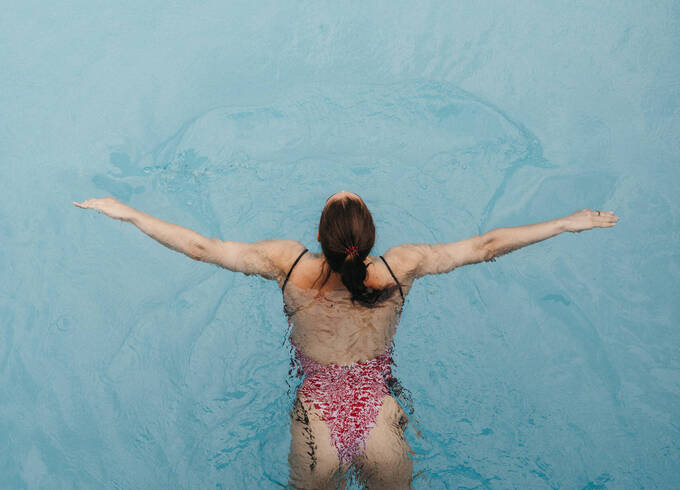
<point x="353" y="250"/>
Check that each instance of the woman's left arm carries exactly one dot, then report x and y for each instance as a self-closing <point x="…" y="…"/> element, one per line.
<point x="268" y="258"/>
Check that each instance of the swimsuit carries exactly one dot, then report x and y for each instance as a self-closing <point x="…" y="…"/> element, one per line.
<point x="348" y="398"/>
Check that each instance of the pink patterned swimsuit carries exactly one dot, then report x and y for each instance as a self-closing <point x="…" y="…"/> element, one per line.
<point x="348" y="398"/>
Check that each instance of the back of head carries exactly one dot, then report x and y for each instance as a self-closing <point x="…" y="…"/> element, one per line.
<point x="347" y="235"/>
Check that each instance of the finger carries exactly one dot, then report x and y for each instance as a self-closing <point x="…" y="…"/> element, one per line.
<point x="88" y="204"/>
<point x="608" y="219"/>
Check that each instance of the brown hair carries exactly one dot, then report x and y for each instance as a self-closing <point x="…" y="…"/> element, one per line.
<point x="347" y="222"/>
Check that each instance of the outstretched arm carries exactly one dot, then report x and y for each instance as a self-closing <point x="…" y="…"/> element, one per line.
<point x="268" y="258"/>
<point x="504" y="240"/>
<point x="417" y="260"/>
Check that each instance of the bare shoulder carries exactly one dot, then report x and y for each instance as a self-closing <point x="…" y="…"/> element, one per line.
<point x="283" y="253"/>
<point x="404" y="261"/>
<point x="307" y="270"/>
<point x="269" y="258"/>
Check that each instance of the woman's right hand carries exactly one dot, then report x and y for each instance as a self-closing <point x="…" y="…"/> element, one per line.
<point x="586" y="219"/>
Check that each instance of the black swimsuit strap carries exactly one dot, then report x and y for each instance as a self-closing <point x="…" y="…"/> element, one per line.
<point x="291" y="269"/>
<point x="395" y="277"/>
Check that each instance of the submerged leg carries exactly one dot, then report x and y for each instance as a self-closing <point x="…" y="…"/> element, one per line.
<point x="313" y="460"/>
<point x="386" y="462"/>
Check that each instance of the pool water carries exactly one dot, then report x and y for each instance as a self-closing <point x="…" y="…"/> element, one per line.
<point x="126" y="365"/>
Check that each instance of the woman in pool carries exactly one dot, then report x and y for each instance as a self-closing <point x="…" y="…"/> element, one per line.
<point x="344" y="306"/>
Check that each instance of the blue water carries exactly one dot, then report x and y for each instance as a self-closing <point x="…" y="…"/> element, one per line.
<point x="126" y="365"/>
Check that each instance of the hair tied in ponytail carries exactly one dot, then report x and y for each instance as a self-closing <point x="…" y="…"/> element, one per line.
<point x="347" y="235"/>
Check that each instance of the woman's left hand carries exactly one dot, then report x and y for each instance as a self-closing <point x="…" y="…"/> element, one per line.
<point x="110" y="206"/>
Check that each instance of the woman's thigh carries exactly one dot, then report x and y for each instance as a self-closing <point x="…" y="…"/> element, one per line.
<point x="386" y="462"/>
<point x="313" y="460"/>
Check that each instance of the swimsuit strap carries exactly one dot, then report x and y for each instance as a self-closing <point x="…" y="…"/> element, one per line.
<point x="395" y="277"/>
<point x="291" y="269"/>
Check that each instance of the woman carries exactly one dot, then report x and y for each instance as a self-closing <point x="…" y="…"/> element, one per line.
<point x="344" y="306"/>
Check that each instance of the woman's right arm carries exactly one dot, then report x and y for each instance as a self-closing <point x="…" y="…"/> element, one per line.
<point x="416" y="260"/>
<point x="269" y="258"/>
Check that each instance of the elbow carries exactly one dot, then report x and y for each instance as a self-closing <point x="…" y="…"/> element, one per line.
<point x="198" y="251"/>
<point x="488" y="251"/>
<point x="196" y="254"/>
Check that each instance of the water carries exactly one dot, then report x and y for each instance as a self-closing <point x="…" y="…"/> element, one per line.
<point x="126" y="365"/>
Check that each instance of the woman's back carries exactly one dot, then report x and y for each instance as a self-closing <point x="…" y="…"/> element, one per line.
<point x="327" y="327"/>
